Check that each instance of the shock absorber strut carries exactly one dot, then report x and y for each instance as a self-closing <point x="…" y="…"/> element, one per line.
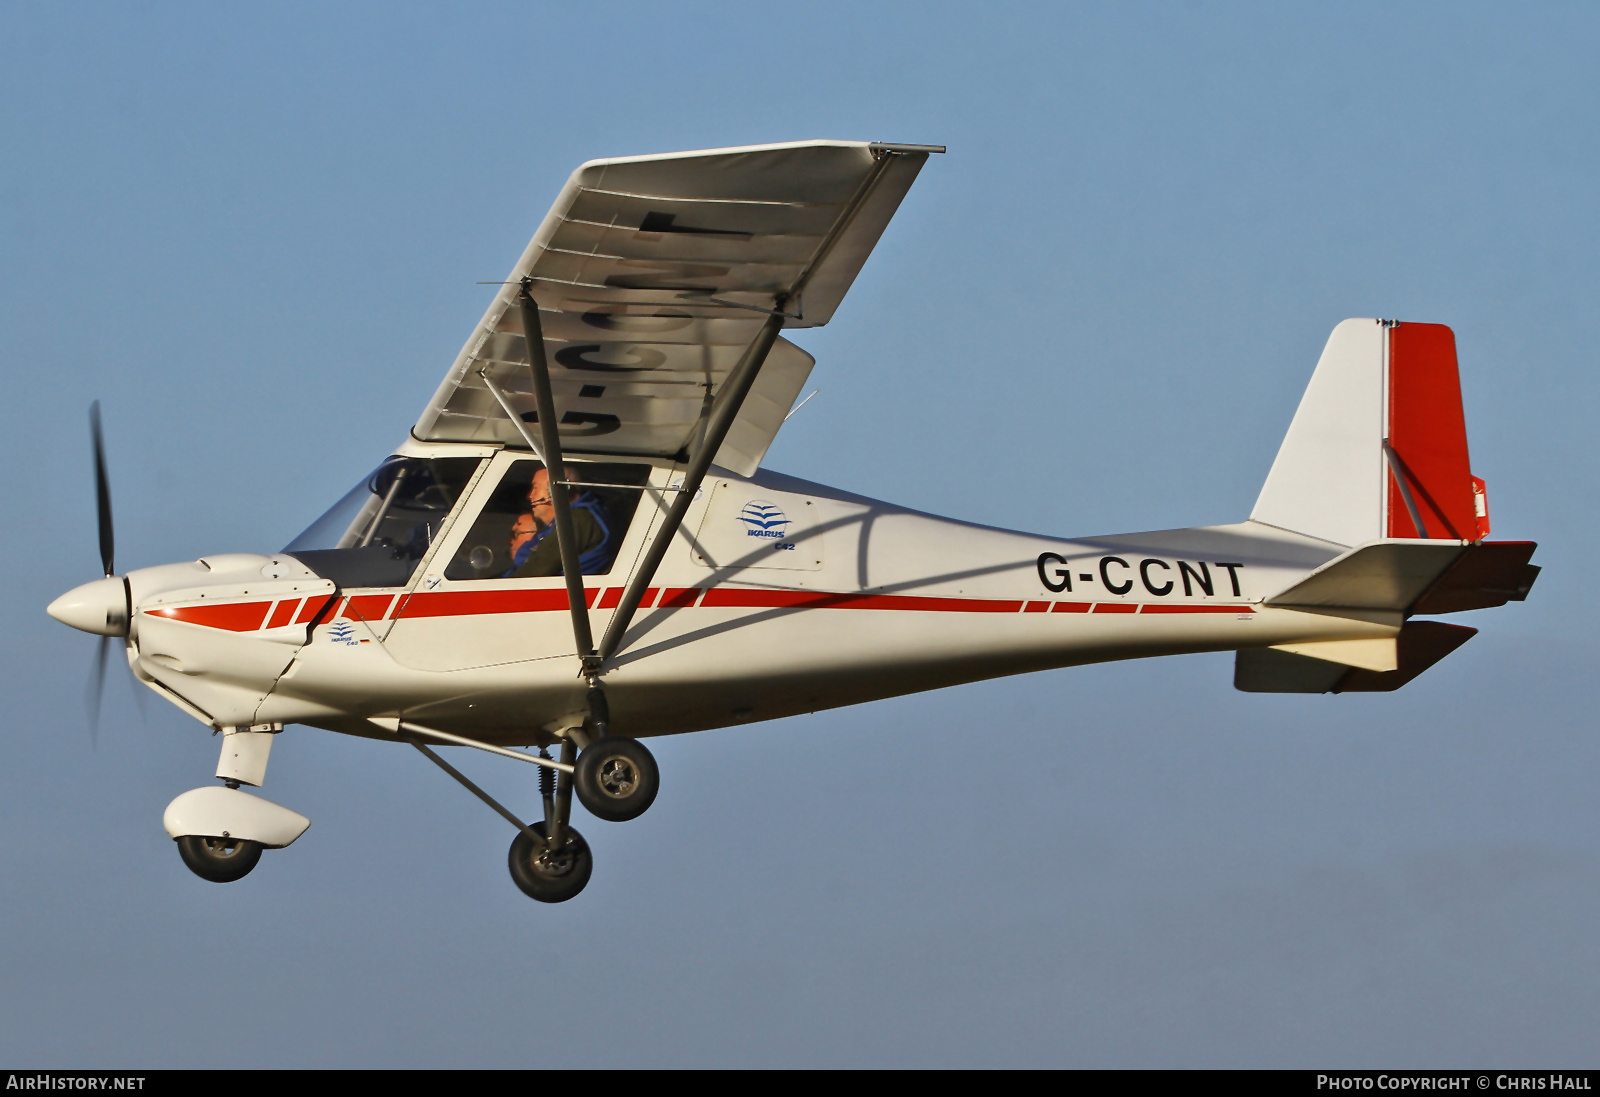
<point x="599" y="710"/>
<point x="547" y="791"/>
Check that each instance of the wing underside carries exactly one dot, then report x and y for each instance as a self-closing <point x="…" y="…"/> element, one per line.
<point x="653" y="274"/>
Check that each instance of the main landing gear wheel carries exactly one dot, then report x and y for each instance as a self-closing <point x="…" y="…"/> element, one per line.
<point x="220" y="860"/>
<point x="616" y="779"/>
<point x="550" y="877"/>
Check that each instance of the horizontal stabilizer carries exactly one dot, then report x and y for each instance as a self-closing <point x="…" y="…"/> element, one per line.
<point x="1373" y="654"/>
<point x="1416" y="577"/>
<point x="1419" y="645"/>
<point x="1385" y="576"/>
<point x="1487" y="575"/>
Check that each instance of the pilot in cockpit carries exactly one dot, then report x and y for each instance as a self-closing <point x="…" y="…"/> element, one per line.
<point x="533" y="546"/>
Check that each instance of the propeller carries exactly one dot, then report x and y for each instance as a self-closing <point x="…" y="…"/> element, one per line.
<point x="102" y="498"/>
<point x="102" y="492"/>
<point x="103" y="606"/>
<point x="97" y="686"/>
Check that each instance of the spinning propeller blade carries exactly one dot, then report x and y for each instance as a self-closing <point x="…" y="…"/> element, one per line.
<point x="102" y="492"/>
<point x="97" y="686"/>
<point x="108" y="550"/>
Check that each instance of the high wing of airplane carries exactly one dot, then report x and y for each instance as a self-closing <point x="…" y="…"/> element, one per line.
<point x="653" y="274"/>
<point x="576" y="547"/>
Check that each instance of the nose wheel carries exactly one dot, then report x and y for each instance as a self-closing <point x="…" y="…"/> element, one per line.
<point x="220" y="860"/>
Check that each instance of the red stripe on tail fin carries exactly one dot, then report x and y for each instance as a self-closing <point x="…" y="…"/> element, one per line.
<point x="1429" y="434"/>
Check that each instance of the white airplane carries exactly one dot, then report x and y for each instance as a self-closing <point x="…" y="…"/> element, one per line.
<point x="662" y="582"/>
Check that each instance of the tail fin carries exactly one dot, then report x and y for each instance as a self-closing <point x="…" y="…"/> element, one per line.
<point x="1378" y="447"/>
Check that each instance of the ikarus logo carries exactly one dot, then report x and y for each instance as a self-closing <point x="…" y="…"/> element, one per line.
<point x="764" y="519"/>
<point x="343" y="632"/>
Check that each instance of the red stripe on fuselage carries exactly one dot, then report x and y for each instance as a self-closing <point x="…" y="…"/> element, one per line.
<point x="369" y="607"/>
<point x="284" y="613"/>
<point x="465" y="603"/>
<point x="232" y="616"/>
<point x="749" y="598"/>
<point x="1162" y="607"/>
<point x="313" y="609"/>
<point x="248" y="616"/>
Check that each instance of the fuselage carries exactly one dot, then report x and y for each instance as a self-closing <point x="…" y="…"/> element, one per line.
<point x="779" y="597"/>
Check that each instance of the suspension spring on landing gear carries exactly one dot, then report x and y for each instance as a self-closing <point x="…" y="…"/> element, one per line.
<point x="547" y="785"/>
<point x="547" y="776"/>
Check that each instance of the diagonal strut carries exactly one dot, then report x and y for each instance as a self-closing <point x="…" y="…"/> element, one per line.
<point x="556" y="474"/>
<point x="724" y="410"/>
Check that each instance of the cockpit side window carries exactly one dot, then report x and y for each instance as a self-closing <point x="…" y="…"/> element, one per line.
<point x="511" y="537"/>
<point x="376" y="535"/>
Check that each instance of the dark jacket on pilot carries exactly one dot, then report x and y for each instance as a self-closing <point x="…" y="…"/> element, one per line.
<point x="541" y="556"/>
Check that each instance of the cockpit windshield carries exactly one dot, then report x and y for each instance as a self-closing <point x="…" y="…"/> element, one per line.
<point x="376" y="534"/>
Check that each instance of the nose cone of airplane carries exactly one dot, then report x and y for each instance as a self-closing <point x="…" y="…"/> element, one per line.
<point x="100" y="607"/>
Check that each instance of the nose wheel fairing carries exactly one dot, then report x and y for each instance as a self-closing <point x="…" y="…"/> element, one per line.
<point x="232" y="813"/>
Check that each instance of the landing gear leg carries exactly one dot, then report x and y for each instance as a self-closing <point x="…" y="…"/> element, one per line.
<point x="560" y="869"/>
<point x="616" y="778"/>
<point x="549" y="860"/>
<point x="547" y="788"/>
<point x="558" y="807"/>
<point x="599" y="709"/>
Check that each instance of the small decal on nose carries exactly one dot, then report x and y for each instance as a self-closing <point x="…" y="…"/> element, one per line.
<point x="344" y="633"/>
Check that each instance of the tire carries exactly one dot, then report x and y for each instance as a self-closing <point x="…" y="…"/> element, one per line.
<point x="550" y="878"/>
<point x="616" y="779"/>
<point x="220" y="860"/>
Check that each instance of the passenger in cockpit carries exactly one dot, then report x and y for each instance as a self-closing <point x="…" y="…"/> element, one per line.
<point x="523" y="530"/>
<point x="537" y="553"/>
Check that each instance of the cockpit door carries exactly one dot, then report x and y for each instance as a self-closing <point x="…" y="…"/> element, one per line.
<point x="473" y="606"/>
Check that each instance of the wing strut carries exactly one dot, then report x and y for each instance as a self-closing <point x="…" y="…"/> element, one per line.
<point x="723" y="412"/>
<point x="556" y="473"/>
<point x="548" y="450"/>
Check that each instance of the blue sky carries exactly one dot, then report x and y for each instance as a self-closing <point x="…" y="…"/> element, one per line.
<point x="256" y="235"/>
